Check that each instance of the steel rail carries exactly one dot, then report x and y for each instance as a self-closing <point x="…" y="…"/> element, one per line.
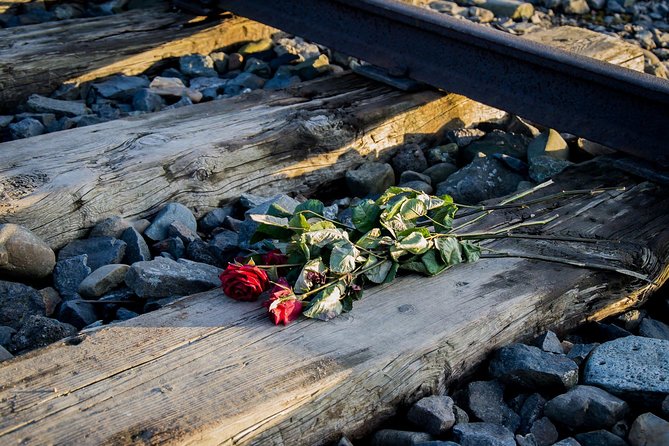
<point x="613" y="106"/>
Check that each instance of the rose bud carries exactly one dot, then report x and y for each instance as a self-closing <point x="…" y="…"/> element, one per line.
<point x="274" y="257"/>
<point x="282" y="305"/>
<point x="244" y="282"/>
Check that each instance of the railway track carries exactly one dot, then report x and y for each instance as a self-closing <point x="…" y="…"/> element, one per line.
<point x="613" y="106"/>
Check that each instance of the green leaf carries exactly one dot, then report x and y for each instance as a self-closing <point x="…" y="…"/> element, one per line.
<point x="370" y="240"/>
<point x="443" y="216"/>
<point x="274" y="227"/>
<point x="303" y="284"/>
<point x="324" y="237"/>
<point x="379" y="269"/>
<point x="424" y="231"/>
<point x="470" y="251"/>
<point x="323" y="225"/>
<point x="416" y="267"/>
<point x="392" y="192"/>
<point x="393" y="208"/>
<point x="276" y="210"/>
<point x="414" y="243"/>
<point x="432" y="262"/>
<point x="299" y="221"/>
<point x="396" y="225"/>
<point x="327" y="303"/>
<point x="312" y="206"/>
<point x="413" y="208"/>
<point x="449" y="249"/>
<point x="392" y="273"/>
<point x="342" y="259"/>
<point x="365" y="215"/>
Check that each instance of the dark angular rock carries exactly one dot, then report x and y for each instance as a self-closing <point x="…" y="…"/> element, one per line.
<point x="651" y="328"/>
<point x="440" y="172"/>
<point x="77" y="313"/>
<point x="586" y="407"/>
<point x="634" y="368"/>
<point x="533" y="368"/>
<point x="599" y="438"/>
<point x="649" y="430"/>
<point x="549" y="342"/>
<point x="26" y="128"/>
<point x="281" y="81"/>
<point x="39" y="331"/>
<point x="182" y="232"/>
<point x="544" y="432"/>
<point x="214" y="218"/>
<point x="51" y="299"/>
<point x="531" y="410"/>
<point x="247" y="80"/>
<point x="433" y="414"/>
<point x="580" y="352"/>
<point x="100" y="251"/>
<point x="4" y="354"/>
<point x="621" y="429"/>
<point x="172" y="246"/>
<point x="526" y="440"/>
<point x="248" y="228"/>
<point x="18" y="301"/>
<point x="136" y="249"/>
<point x="148" y="101"/>
<point x="567" y="442"/>
<point x="410" y="175"/>
<point x="225" y="244"/>
<point x="120" y="87"/>
<point x="23" y="254"/>
<point x="6" y="334"/>
<point x="463" y="137"/>
<point x="482" y="179"/>
<point x="543" y="168"/>
<point x="409" y="157"/>
<point x="391" y="437"/>
<point x="168" y="214"/>
<point x="202" y="252"/>
<point x="485" y="401"/>
<point x="123" y="314"/>
<point x="483" y="434"/>
<point x="496" y="141"/>
<point x="163" y="277"/>
<point x="665" y="407"/>
<point x="370" y="178"/>
<point x="630" y="320"/>
<point x="103" y="280"/>
<point x="442" y="154"/>
<point x="605" y="332"/>
<point x="461" y="415"/>
<point x="196" y="65"/>
<point x="69" y="273"/>
<point x="419" y="186"/>
<point x="43" y="104"/>
<point x="258" y="67"/>
<point x="110" y="227"/>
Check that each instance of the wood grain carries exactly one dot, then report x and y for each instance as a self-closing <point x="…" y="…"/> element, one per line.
<point x="209" y="370"/>
<point x="59" y="185"/>
<point x="39" y="58"/>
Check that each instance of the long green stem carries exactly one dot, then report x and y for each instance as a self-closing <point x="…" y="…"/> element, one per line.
<point x="321" y="288"/>
<point x="506" y="229"/>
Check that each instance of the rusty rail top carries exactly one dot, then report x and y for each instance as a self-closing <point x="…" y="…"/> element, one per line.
<point x="614" y="106"/>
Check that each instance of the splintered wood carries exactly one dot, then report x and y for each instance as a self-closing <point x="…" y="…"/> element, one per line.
<point x="210" y="370"/>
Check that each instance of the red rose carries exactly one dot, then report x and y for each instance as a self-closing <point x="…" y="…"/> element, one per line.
<point x="274" y="257"/>
<point x="282" y="305"/>
<point x="244" y="282"/>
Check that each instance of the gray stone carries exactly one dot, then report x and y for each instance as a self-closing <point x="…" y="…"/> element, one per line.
<point x="440" y="172"/>
<point x="42" y="104"/>
<point x="665" y="406"/>
<point x="258" y="67"/>
<point x="123" y="314"/>
<point x="181" y="231"/>
<point x="482" y="179"/>
<point x="46" y="119"/>
<point x="168" y="214"/>
<point x="100" y="251"/>
<point x="5" y="120"/>
<point x="120" y="87"/>
<point x="569" y="441"/>
<point x="163" y="277"/>
<point x="136" y="249"/>
<point x="4" y="354"/>
<point x="447" y="153"/>
<point x="533" y="368"/>
<point x="463" y="137"/>
<point x="200" y="251"/>
<point x="599" y="438"/>
<point x="549" y="342"/>
<point x="461" y="415"/>
<point x="485" y="401"/>
<point x="483" y="434"/>
<point x="480" y="15"/>
<point x="391" y="437"/>
<point x="526" y="440"/>
<point x="312" y="67"/>
<point x="249" y="201"/>
<point x="182" y="102"/>
<point x="110" y="227"/>
<point x="433" y="414"/>
<point x="204" y="83"/>
<point x="544" y="432"/>
<point x="83" y="121"/>
<point x="543" y="168"/>
<point x="649" y="430"/>
<point x="606" y="332"/>
<point x="409" y="157"/>
<point x="69" y="273"/>
<point x="579" y="7"/>
<point x="77" y="313"/>
<point x="196" y="65"/>
<point x="410" y="175"/>
<point x="631" y="319"/>
<point x="281" y="81"/>
<point x="39" y="331"/>
<point x="224" y="244"/>
<point x="651" y="328"/>
<point x="6" y="334"/>
<point x="597" y="4"/>
<point x="103" y="280"/>
<point x="586" y="407"/>
<point x="531" y="410"/>
<point x="247" y="80"/>
<point x="579" y="352"/>
<point x="331" y="212"/>
<point x="173" y="246"/>
<point x="23" y="254"/>
<point x="148" y="101"/>
<point x="26" y="128"/>
<point x="370" y="178"/>
<point x="632" y="367"/>
<point x="621" y="429"/>
<point x="220" y="60"/>
<point x="419" y="186"/>
<point x="18" y="301"/>
<point x="496" y="142"/>
<point x="51" y="299"/>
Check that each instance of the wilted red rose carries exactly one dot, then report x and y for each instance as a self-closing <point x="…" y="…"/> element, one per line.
<point x="244" y="282"/>
<point x="282" y="305"/>
<point x="274" y="257"/>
